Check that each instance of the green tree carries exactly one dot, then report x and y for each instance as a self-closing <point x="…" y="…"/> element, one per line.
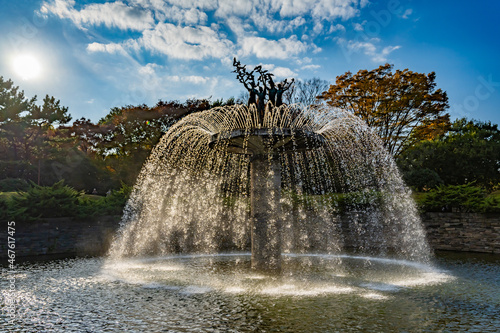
<point x="29" y="132"/>
<point x="122" y="140"/>
<point x="469" y="152"/>
<point x="403" y="107"/>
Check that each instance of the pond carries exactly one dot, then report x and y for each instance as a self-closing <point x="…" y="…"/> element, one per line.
<point x="314" y="293"/>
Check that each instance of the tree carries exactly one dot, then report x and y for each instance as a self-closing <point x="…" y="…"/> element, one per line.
<point x="29" y="132"/>
<point x="469" y="152"/>
<point x="13" y="104"/>
<point x="122" y="140"/>
<point x="306" y="92"/>
<point x="402" y="107"/>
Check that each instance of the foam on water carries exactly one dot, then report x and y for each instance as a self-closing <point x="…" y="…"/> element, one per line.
<point x="231" y="273"/>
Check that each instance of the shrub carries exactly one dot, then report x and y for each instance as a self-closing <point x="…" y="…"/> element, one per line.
<point x="112" y="204"/>
<point x="57" y="200"/>
<point x="461" y="198"/>
<point x="339" y="202"/>
<point x="13" y="184"/>
<point x="355" y="201"/>
<point x="4" y="209"/>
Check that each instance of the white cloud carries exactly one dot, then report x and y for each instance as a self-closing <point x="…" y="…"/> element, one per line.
<point x="184" y="29"/>
<point x="310" y="67"/>
<point x="265" y="21"/>
<point x="358" y="26"/>
<point x="227" y="8"/>
<point x="283" y="72"/>
<point x="407" y="13"/>
<point x="366" y="47"/>
<point x="194" y="79"/>
<point x="108" y="48"/>
<point x="279" y="72"/>
<point x="318" y="27"/>
<point x="185" y="42"/>
<point x="336" y="27"/>
<point x="110" y="14"/>
<point x="149" y="69"/>
<point x="304" y="60"/>
<point x="381" y="57"/>
<point x="333" y="9"/>
<point x="237" y="25"/>
<point x="370" y="49"/>
<point x="266" y="48"/>
<point x="322" y="9"/>
<point x="191" y="16"/>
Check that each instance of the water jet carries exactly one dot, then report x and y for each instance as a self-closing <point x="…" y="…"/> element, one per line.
<point x="270" y="178"/>
<point x="263" y="145"/>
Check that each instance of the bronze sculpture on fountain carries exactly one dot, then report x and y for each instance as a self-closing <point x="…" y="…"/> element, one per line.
<point x="265" y="87"/>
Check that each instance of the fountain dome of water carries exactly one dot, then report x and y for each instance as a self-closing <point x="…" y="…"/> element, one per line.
<point x="284" y="179"/>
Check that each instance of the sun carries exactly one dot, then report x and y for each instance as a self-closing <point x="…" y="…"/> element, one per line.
<point x="27" y="67"/>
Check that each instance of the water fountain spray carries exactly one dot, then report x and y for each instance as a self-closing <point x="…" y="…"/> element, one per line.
<point x="272" y="178"/>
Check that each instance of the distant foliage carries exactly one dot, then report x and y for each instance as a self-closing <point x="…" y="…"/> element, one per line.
<point x="422" y="179"/>
<point x="306" y="92"/>
<point x="13" y="184"/>
<point x="469" y="152"/>
<point x="122" y="140"/>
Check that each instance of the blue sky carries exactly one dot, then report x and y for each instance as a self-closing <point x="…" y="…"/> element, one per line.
<point x="95" y="55"/>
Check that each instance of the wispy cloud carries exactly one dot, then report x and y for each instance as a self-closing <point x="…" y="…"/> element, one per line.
<point x="185" y="42"/>
<point x="407" y="13"/>
<point x="369" y="48"/>
<point x="110" y="14"/>
<point x="310" y="67"/>
<point x="279" y="72"/>
<point x="108" y="48"/>
<point x="266" y="48"/>
<point x="181" y="29"/>
<point x="195" y="79"/>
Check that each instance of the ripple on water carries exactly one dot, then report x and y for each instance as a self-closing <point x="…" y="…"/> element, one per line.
<point x="86" y="295"/>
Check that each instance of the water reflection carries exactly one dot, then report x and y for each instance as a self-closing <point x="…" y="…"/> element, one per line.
<point x="458" y="293"/>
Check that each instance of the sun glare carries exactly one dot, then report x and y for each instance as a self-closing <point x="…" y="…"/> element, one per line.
<point x="27" y="67"/>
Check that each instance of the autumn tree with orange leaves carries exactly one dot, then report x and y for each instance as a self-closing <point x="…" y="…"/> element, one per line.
<point x="403" y="107"/>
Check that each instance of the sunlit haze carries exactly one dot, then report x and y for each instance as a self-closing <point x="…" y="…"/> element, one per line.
<point x="27" y="67"/>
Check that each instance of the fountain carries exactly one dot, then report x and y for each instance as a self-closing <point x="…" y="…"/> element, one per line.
<point x="274" y="179"/>
<point x="263" y="218"/>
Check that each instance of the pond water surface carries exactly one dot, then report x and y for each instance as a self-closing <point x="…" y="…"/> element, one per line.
<point x="314" y="293"/>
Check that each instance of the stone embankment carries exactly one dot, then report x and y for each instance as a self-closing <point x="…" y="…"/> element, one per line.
<point x="60" y="237"/>
<point x="469" y="232"/>
<point x="67" y="237"/>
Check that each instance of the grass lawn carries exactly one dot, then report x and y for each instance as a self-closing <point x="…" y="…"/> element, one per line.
<point x="92" y="196"/>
